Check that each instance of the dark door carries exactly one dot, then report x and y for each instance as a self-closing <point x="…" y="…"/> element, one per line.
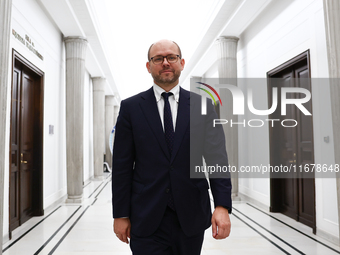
<point x="294" y="195"/>
<point x="25" y="195"/>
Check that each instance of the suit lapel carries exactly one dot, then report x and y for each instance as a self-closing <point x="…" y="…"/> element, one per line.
<point x="150" y="110"/>
<point x="183" y="119"/>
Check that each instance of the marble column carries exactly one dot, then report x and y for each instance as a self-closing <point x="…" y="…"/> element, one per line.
<point x="115" y="116"/>
<point x="109" y="124"/>
<point x="75" y="74"/>
<point x="332" y="25"/>
<point x="98" y="126"/>
<point x="226" y="47"/>
<point x="116" y="112"/>
<point x="194" y="84"/>
<point x="5" y="29"/>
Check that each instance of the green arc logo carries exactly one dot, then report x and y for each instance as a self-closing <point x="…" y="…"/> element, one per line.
<point x="209" y="93"/>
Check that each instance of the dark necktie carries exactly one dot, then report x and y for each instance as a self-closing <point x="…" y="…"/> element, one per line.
<point x="169" y="135"/>
<point x="168" y="124"/>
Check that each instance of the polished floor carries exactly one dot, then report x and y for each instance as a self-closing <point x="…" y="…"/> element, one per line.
<point x="87" y="229"/>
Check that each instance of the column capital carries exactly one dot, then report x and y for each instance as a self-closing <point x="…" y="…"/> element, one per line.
<point x="99" y="83"/>
<point x="226" y="46"/>
<point x="222" y="39"/>
<point x="98" y="79"/>
<point x="226" y="49"/>
<point x="75" y="39"/>
<point x="76" y="47"/>
<point x="110" y="100"/>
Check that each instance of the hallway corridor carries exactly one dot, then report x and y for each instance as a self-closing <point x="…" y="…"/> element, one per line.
<point x="87" y="229"/>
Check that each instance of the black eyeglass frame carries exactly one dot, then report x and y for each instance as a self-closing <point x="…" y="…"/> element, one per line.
<point x="166" y="59"/>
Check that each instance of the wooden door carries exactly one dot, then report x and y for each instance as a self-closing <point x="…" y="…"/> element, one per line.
<point x="294" y="195"/>
<point x="286" y="151"/>
<point x="25" y="196"/>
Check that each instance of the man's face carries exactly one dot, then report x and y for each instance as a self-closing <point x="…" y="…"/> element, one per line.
<point x="165" y="74"/>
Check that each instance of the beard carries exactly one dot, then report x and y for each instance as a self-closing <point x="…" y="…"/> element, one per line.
<point x="167" y="79"/>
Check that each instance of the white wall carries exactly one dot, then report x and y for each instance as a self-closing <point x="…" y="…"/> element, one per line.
<point x="28" y="18"/>
<point x="285" y="29"/>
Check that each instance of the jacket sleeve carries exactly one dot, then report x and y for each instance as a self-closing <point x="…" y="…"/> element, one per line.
<point x="122" y="163"/>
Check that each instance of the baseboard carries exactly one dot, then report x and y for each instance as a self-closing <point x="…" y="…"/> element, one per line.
<point x="55" y="204"/>
<point x="253" y="201"/>
<point x="320" y="233"/>
<point x="46" y="210"/>
<point x="329" y="237"/>
<point x="55" y="198"/>
<point x="5" y="238"/>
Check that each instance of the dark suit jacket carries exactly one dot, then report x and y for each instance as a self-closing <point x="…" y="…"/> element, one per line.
<point x="144" y="173"/>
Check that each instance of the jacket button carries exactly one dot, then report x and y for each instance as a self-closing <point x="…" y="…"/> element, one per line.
<point x="171" y="168"/>
<point x="167" y="190"/>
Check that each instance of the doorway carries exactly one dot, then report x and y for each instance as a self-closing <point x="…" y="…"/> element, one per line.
<point x="26" y="143"/>
<point x="293" y="195"/>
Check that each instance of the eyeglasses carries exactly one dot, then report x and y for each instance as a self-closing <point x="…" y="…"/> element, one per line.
<point x="172" y="58"/>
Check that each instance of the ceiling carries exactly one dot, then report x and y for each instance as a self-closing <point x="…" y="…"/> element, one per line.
<point x="120" y="32"/>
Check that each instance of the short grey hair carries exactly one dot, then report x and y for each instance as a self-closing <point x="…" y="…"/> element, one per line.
<point x="179" y="49"/>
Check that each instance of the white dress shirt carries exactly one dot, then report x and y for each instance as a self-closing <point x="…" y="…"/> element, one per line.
<point x="173" y="101"/>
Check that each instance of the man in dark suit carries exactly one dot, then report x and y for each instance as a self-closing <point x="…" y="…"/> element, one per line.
<point x="160" y="137"/>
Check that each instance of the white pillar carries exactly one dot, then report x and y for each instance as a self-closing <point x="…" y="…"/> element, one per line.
<point x="116" y="112"/>
<point x="226" y="54"/>
<point x="5" y="26"/>
<point x="194" y="84"/>
<point x="226" y="47"/>
<point x="98" y="126"/>
<point x="109" y="124"/>
<point x="75" y="74"/>
<point x="332" y="23"/>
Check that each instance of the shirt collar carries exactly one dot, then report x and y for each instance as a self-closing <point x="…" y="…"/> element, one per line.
<point x="158" y="92"/>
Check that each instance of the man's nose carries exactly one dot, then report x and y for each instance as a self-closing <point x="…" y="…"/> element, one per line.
<point x="165" y="61"/>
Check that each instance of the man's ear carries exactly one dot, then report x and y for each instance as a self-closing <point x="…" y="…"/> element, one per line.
<point x="148" y="66"/>
<point x="182" y="63"/>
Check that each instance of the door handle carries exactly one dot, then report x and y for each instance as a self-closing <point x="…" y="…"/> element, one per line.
<point x="23" y="161"/>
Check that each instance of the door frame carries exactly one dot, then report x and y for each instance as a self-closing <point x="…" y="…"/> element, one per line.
<point x="274" y="183"/>
<point x="39" y="209"/>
